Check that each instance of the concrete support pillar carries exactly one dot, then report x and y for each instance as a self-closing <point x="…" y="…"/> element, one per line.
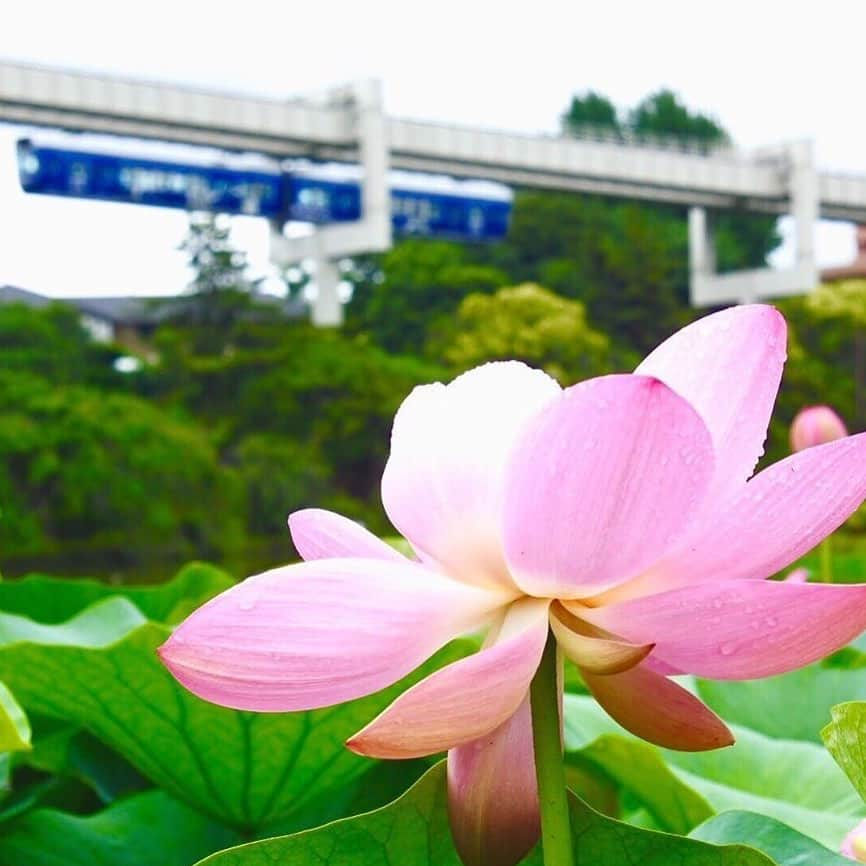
<point x="373" y="153"/>
<point x="372" y="233"/>
<point x="702" y="243"/>
<point x="803" y="183"/>
<point x="702" y="252"/>
<point x="327" y="310"/>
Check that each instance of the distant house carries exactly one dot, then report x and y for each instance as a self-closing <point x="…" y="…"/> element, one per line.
<point x="854" y="271"/>
<point x="128" y="321"/>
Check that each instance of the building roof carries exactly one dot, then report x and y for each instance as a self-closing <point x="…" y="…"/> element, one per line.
<point x="134" y="311"/>
<point x="14" y="295"/>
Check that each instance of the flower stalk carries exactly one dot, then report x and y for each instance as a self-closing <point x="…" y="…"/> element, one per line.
<point x="826" y="558"/>
<point x="549" y="769"/>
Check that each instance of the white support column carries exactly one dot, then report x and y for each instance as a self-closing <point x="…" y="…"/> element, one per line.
<point x="805" y="203"/>
<point x="372" y="232"/>
<point x="327" y="311"/>
<point x="373" y="147"/>
<point x="702" y="252"/>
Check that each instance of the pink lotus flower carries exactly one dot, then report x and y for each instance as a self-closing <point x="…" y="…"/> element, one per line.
<point x="618" y="512"/>
<point x="816" y="425"/>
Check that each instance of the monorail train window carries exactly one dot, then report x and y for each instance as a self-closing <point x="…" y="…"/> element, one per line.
<point x="313" y="197"/>
<point x="78" y="176"/>
<point x="476" y="220"/>
<point x="178" y="183"/>
<point x="29" y="163"/>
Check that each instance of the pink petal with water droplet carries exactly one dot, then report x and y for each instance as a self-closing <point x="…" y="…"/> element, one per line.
<point x="740" y="630"/>
<point x="778" y="516"/>
<point x="602" y="483"/>
<point x="443" y="483"/>
<point x="728" y="366"/>
<point x="466" y="699"/>
<point x="493" y="795"/>
<point x="320" y="633"/>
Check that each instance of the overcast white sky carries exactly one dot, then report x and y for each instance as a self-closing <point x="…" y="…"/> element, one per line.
<point x="767" y="71"/>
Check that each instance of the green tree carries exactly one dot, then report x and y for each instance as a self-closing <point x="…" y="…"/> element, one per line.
<point x="590" y="111"/>
<point x="220" y="293"/>
<point x="626" y="262"/>
<point x="83" y="468"/>
<point x="320" y="402"/>
<point x="662" y="114"/>
<point x="419" y="282"/>
<point x="843" y="302"/>
<point x="531" y="324"/>
<point x="51" y="342"/>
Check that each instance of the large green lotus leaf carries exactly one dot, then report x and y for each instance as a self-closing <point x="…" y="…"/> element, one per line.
<point x="96" y="627"/>
<point x="56" y="599"/>
<point x="149" y="829"/>
<point x="638" y="767"/>
<point x="108" y="774"/>
<point x="785" y="845"/>
<point x="14" y="727"/>
<point x="795" y="782"/>
<point x="845" y="737"/>
<point x="793" y="706"/>
<point x="100" y="671"/>
<point x="413" y="830"/>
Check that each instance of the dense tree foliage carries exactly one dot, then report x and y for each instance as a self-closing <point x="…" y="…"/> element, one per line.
<point x="220" y="293"/>
<point x="591" y="111"/>
<point x="417" y="285"/>
<point x="82" y="466"/>
<point x="530" y="324"/>
<point x="52" y="342"/>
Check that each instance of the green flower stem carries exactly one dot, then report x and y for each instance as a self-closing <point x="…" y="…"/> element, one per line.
<point x="826" y="573"/>
<point x="549" y="769"/>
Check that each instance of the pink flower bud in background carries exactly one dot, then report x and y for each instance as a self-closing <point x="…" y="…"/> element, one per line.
<point x="816" y="425"/>
<point x="854" y="844"/>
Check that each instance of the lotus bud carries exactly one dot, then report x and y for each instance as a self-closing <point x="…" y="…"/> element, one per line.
<point x="854" y="844"/>
<point x="816" y="425"/>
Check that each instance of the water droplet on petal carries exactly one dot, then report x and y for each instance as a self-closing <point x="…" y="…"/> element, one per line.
<point x="728" y="648"/>
<point x="246" y="603"/>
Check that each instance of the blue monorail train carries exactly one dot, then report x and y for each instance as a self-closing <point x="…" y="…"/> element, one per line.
<point x="421" y="204"/>
<point x="199" y="178"/>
